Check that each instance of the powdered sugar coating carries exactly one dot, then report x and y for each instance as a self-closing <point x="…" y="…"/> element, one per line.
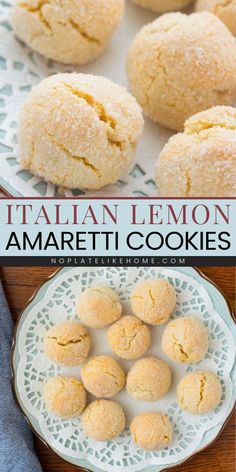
<point x="201" y="161"/>
<point x="180" y="65"/>
<point x="70" y="32"/>
<point x="199" y="392"/>
<point x="224" y="9"/>
<point x="79" y="131"/>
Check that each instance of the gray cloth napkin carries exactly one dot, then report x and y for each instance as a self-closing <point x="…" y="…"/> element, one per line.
<point x="16" y="440"/>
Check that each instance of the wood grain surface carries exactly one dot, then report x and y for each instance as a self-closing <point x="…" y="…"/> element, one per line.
<point x="20" y="284"/>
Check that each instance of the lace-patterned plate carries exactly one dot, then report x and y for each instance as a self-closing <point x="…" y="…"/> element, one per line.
<point x="55" y="301"/>
<point x="20" y="69"/>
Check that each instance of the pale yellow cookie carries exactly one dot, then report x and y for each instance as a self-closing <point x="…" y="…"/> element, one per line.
<point x="162" y="6"/>
<point x="199" y="392"/>
<point x="153" y="301"/>
<point x="64" y="396"/>
<point x="68" y="31"/>
<point x="149" y="379"/>
<point x="182" y="64"/>
<point x="98" y="307"/>
<point x="201" y="161"/>
<point x="67" y="344"/>
<point x="103" y="420"/>
<point x="129" y="337"/>
<point x="79" y="131"/>
<point x="224" y="9"/>
<point x="151" y="431"/>
<point x="103" y="376"/>
<point x="185" y="340"/>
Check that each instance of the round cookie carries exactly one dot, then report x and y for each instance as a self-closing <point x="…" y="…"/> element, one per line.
<point x="162" y="6"/>
<point x="103" y="376"/>
<point x="180" y="65"/>
<point x="151" y="431"/>
<point x="129" y="337"/>
<point x="79" y="131"/>
<point x="98" y="307"/>
<point x="70" y="32"/>
<point x="67" y="344"/>
<point x="224" y="9"/>
<point x="149" y="379"/>
<point x="103" y="420"/>
<point x="199" y="392"/>
<point x="64" y="396"/>
<point x="185" y="340"/>
<point x="201" y="161"/>
<point x="153" y="301"/>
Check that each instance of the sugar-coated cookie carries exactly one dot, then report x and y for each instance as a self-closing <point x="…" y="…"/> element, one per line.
<point x="153" y="301"/>
<point x="149" y="379"/>
<point x="151" y="431"/>
<point x="182" y="64"/>
<point x="103" y="376"/>
<point x="201" y="161"/>
<point x="199" y="392"/>
<point x="103" y="420"/>
<point x="185" y="340"/>
<point x="68" y="31"/>
<point x="67" y="343"/>
<point x="64" y="396"/>
<point x="129" y="337"/>
<point x="79" y="131"/>
<point x="98" y="306"/>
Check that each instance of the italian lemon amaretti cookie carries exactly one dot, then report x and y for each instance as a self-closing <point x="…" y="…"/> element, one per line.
<point x="68" y="31"/>
<point x="199" y="392"/>
<point x="151" y="431"/>
<point x="185" y="340"/>
<point x="182" y="64"/>
<point x="64" y="396"/>
<point x="153" y="301"/>
<point x="67" y="343"/>
<point x="103" y="376"/>
<point x="224" y="9"/>
<point x="103" y="420"/>
<point x="98" y="306"/>
<point x="79" y="131"/>
<point x="148" y="379"/>
<point x="201" y="161"/>
<point x="129" y="337"/>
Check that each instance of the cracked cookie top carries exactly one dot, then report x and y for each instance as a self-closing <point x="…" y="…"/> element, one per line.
<point x="149" y="379"/>
<point x="129" y="337"/>
<point x="151" y="431"/>
<point x="67" y="344"/>
<point x="185" y="340"/>
<point x="103" y="420"/>
<point x="79" y="131"/>
<point x="98" y="307"/>
<point x="201" y="161"/>
<point x="67" y="31"/>
<point x="153" y="301"/>
<point x="103" y="376"/>
<point x="64" y="396"/>
<point x="199" y="392"/>
<point x="180" y="65"/>
<point x="224" y="9"/>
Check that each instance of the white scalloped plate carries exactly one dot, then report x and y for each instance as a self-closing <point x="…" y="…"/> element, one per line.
<point x="55" y="301"/>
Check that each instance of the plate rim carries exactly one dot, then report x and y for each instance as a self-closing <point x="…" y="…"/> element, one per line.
<point x="88" y="464"/>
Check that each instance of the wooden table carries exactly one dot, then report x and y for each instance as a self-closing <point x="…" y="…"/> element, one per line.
<point x="19" y="285"/>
